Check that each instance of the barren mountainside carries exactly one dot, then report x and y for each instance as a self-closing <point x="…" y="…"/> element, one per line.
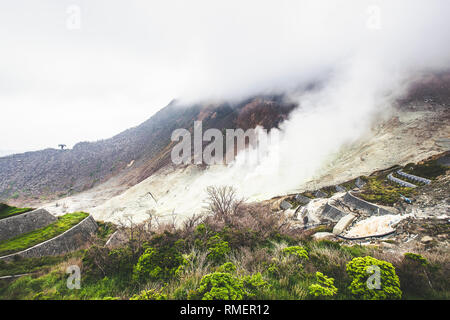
<point x="130" y="156"/>
<point x="135" y="154"/>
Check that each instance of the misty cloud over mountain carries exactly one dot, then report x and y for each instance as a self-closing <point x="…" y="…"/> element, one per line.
<point x="128" y="60"/>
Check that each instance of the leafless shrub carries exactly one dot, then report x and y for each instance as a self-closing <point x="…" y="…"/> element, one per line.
<point x="191" y="223"/>
<point x="394" y="257"/>
<point x="165" y="225"/>
<point x="223" y="202"/>
<point x="136" y="234"/>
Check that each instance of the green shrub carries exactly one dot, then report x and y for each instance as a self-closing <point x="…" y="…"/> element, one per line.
<point x="273" y="269"/>
<point x="158" y="263"/>
<point x="289" y="265"/>
<point x="253" y="284"/>
<point x="217" y="249"/>
<point x="151" y="294"/>
<point x="120" y="261"/>
<point x="238" y="237"/>
<point x="324" y="286"/>
<point x="355" y="250"/>
<point x="359" y="270"/>
<point x="219" y="286"/>
<point x="225" y="286"/>
<point x="296" y="251"/>
<point x="227" y="267"/>
<point x="328" y="244"/>
<point x="200" y="230"/>
<point x="416" y="257"/>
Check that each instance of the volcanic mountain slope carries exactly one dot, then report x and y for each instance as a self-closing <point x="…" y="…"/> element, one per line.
<point x="409" y="136"/>
<point x="131" y="173"/>
<point x="129" y="157"/>
<point x="410" y="131"/>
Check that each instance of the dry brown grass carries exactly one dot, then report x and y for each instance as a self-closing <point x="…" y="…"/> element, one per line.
<point x="250" y="261"/>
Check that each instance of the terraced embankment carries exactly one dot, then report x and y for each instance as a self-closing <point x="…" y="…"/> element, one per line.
<point x="332" y="213"/>
<point x="405" y="184"/>
<point x="26" y="222"/>
<point x="413" y="177"/>
<point x="8" y="211"/>
<point x="363" y="205"/>
<point x="70" y="240"/>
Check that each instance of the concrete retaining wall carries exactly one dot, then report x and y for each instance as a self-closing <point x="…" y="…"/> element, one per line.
<point x="320" y="194"/>
<point x="25" y="222"/>
<point x="401" y="182"/>
<point x="302" y="199"/>
<point x="413" y="177"/>
<point x="70" y="240"/>
<point x="332" y="213"/>
<point x="364" y="205"/>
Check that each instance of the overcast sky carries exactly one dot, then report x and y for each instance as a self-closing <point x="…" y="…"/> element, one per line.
<point x="77" y="70"/>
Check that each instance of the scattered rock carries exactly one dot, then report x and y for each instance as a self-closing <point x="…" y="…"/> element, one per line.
<point x="426" y="239"/>
<point x="291" y="213"/>
<point x="343" y="223"/>
<point x="387" y="245"/>
<point x="324" y="236"/>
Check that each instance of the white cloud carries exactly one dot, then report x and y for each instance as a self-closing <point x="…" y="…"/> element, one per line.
<point x="129" y="59"/>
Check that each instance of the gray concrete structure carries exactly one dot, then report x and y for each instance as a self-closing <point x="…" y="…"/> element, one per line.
<point x="302" y="199"/>
<point x="25" y="222"/>
<point x="284" y="205"/>
<point x="413" y="177"/>
<point x="68" y="241"/>
<point x="332" y="213"/>
<point x="363" y="205"/>
<point x="401" y="182"/>
<point x="320" y="194"/>
<point x="359" y="183"/>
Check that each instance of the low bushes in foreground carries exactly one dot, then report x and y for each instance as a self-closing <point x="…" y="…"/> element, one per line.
<point x="241" y="254"/>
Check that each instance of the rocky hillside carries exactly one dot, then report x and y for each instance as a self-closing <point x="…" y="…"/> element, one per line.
<point x="135" y="154"/>
<point x="130" y="156"/>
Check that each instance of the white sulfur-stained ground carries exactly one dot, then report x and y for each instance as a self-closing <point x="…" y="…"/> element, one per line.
<point x="374" y="226"/>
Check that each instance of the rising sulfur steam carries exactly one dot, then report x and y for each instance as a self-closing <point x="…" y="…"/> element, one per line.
<point x="369" y="57"/>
